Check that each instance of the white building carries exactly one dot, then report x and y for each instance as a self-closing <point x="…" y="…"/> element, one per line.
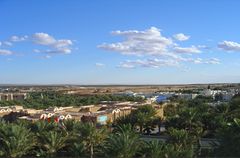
<point x="187" y="96"/>
<point x="209" y="92"/>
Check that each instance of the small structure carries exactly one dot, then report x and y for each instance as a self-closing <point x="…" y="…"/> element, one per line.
<point x="161" y="99"/>
<point x="12" y="96"/>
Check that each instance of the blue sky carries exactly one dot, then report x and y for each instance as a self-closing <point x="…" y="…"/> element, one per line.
<point x="119" y="42"/>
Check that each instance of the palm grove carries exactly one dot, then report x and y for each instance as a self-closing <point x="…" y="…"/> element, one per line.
<point x="186" y="123"/>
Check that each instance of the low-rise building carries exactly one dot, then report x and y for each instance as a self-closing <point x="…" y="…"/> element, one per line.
<point x="106" y="114"/>
<point x="8" y="109"/>
<point x="210" y="93"/>
<point x="12" y="96"/>
<point x="186" y="96"/>
<point x="33" y="111"/>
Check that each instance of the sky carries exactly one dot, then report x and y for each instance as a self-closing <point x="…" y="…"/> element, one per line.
<point x="119" y="42"/>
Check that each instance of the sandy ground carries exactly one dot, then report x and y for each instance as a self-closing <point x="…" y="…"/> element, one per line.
<point x="91" y="90"/>
<point x="110" y="89"/>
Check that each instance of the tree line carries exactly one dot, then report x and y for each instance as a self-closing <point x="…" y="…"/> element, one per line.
<point x="42" y="100"/>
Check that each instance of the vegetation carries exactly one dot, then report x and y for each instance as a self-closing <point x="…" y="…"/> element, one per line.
<point x="203" y="120"/>
<point x="142" y="118"/>
<point x="123" y="143"/>
<point x="186" y="124"/>
<point x="230" y="139"/>
<point x="41" y="100"/>
<point x="15" y="140"/>
<point x="44" y="139"/>
<point x="92" y="136"/>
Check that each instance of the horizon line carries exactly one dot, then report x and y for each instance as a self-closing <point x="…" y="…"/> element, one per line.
<point x="114" y="84"/>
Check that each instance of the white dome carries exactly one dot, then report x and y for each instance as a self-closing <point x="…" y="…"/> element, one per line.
<point x="50" y="115"/>
<point x="43" y="116"/>
<point x="61" y="117"/>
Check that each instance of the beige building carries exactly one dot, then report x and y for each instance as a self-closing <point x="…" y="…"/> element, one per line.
<point x="12" y="96"/>
<point x="101" y="114"/>
<point x="8" y="109"/>
<point x="106" y="114"/>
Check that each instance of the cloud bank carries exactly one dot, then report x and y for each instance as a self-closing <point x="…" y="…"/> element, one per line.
<point x="61" y="46"/>
<point x="49" y="44"/>
<point x="229" y="46"/>
<point x="156" y="49"/>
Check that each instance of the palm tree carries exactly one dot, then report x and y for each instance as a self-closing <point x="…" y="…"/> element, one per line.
<point x="15" y="140"/>
<point x="178" y="137"/>
<point x="229" y="139"/>
<point x="77" y="146"/>
<point x="51" y="142"/>
<point x="143" y="115"/>
<point x="187" y="119"/>
<point x="182" y="142"/>
<point x="189" y="116"/>
<point x="123" y="128"/>
<point x="43" y="126"/>
<point x="154" y="149"/>
<point x="124" y="143"/>
<point x="128" y="119"/>
<point x="70" y="124"/>
<point x="92" y="136"/>
<point x="77" y="149"/>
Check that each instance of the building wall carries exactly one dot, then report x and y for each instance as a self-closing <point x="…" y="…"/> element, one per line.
<point x="12" y="96"/>
<point x="160" y="112"/>
<point x="90" y="109"/>
<point x="95" y="108"/>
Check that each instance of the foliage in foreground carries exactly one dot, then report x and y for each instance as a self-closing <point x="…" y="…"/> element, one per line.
<point x="185" y="125"/>
<point x="42" y="139"/>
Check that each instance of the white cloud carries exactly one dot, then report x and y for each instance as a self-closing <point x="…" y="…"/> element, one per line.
<point x="51" y="44"/>
<point x="203" y="47"/>
<point x="126" y="65"/>
<point x="196" y="61"/>
<point x="229" y="46"/>
<point x="6" y="43"/>
<point x="36" y="50"/>
<point x="181" y="37"/>
<point x="148" y="42"/>
<point x="5" y="52"/>
<point x="159" y="50"/>
<point x="202" y="61"/>
<point x="61" y="46"/>
<point x="99" y="64"/>
<point x="18" y="39"/>
<point x="47" y="57"/>
<point x="59" y="51"/>
<point x="213" y="61"/>
<point x="159" y="63"/>
<point x="149" y="63"/>
<point x="43" y="39"/>
<point x="54" y="51"/>
<point x="63" y="43"/>
<point x="187" y="50"/>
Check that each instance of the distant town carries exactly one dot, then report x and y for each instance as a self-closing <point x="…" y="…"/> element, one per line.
<point x="107" y="110"/>
<point x="101" y="121"/>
